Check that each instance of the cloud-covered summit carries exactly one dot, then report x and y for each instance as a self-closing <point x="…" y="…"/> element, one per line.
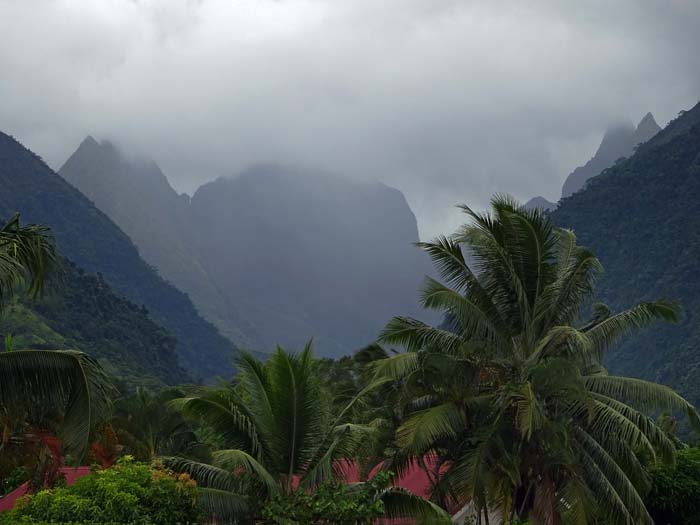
<point x="449" y="101"/>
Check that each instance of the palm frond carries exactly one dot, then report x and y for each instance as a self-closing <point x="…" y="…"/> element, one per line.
<point x="400" y="503"/>
<point x="222" y="410"/>
<point x="233" y="460"/>
<point x="207" y="476"/>
<point x="416" y="335"/>
<point x="529" y="412"/>
<point x="642" y="394"/>
<point x="609" y="330"/>
<point x="561" y="299"/>
<point x="616" y="478"/>
<point x="658" y="438"/>
<point x="224" y="506"/>
<point x="27" y="254"/>
<point x="397" y="366"/>
<point x="298" y="409"/>
<point x="473" y="322"/>
<point x="71" y="382"/>
<point x="427" y="427"/>
<point x="449" y="260"/>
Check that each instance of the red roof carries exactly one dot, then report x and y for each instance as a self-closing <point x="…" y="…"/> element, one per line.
<point x="413" y="479"/>
<point x="71" y="474"/>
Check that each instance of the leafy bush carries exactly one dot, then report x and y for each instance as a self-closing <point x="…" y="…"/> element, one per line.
<point x="675" y="493"/>
<point x="14" y="479"/>
<point x="332" y="502"/>
<point x="128" y="492"/>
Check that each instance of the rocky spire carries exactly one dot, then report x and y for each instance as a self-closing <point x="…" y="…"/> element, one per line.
<point x="646" y="128"/>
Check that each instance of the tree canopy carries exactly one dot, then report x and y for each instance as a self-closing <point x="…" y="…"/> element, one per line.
<point x="510" y="391"/>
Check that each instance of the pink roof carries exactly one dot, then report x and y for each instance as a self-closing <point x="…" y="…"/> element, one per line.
<point x="413" y="479"/>
<point x="71" y="474"/>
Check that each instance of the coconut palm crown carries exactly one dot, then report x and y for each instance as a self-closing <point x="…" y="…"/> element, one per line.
<point x="510" y="391"/>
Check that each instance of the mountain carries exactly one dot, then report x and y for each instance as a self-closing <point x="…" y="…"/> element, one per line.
<point x="642" y="218"/>
<point x="540" y="202"/>
<point x="275" y="255"/>
<point x="87" y="237"/>
<point x="307" y="253"/>
<point x="618" y="142"/>
<point x="79" y="311"/>
<point x="136" y="195"/>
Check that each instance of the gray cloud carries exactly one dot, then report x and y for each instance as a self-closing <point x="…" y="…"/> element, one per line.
<point x="448" y="100"/>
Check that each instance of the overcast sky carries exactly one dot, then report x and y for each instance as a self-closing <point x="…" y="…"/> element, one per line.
<point x="449" y="101"/>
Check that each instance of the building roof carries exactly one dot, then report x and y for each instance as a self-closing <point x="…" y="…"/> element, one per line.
<point x="71" y="474"/>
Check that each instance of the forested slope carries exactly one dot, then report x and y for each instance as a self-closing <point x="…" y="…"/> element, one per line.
<point x="642" y="218"/>
<point x="79" y="311"/>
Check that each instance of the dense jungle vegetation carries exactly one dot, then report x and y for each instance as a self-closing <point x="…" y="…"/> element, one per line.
<point x="505" y="407"/>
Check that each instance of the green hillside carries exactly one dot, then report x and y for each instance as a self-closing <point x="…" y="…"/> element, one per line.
<point x="91" y="240"/>
<point x="642" y="218"/>
<point x="80" y="311"/>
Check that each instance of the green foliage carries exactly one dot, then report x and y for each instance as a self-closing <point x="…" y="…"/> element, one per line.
<point x="510" y="392"/>
<point x="61" y="392"/>
<point x="147" y="427"/>
<point x="281" y="431"/>
<point x="331" y="502"/>
<point x="80" y="311"/>
<point x="27" y="254"/>
<point x="14" y="479"/>
<point x="675" y="490"/>
<point x="125" y="493"/>
<point x="345" y="378"/>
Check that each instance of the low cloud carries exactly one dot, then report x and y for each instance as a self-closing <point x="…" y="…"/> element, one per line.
<point x="450" y="101"/>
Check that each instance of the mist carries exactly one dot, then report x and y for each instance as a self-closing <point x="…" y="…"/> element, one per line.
<point x="448" y="101"/>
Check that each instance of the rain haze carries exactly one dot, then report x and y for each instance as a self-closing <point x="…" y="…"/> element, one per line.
<point x="448" y="101"/>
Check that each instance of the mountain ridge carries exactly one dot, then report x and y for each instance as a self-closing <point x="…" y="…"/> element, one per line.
<point x="229" y="227"/>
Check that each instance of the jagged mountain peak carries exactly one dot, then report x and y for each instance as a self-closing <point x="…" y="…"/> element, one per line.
<point x="618" y="141"/>
<point x="647" y="128"/>
<point x="540" y="202"/>
<point x="104" y="163"/>
<point x="89" y="142"/>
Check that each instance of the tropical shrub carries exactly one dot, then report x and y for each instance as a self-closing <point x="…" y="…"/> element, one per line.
<point x="14" y="479"/>
<point x="147" y="427"/>
<point x="128" y="492"/>
<point x="675" y="490"/>
<point x="330" y="502"/>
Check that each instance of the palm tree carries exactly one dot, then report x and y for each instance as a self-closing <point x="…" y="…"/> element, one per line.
<point x="149" y="428"/>
<point x="510" y="390"/>
<point x="280" y="433"/>
<point x="38" y="389"/>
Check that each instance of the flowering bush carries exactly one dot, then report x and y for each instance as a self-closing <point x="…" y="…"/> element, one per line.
<point x="128" y="492"/>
